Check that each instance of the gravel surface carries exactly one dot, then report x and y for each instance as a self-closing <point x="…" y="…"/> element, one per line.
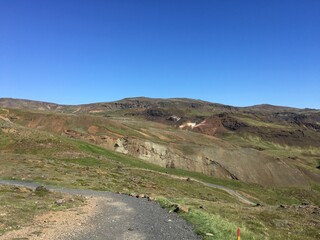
<point x="123" y="217"/>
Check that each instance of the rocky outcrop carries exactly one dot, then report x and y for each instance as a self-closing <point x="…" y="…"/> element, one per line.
<point x="169" y="157"/>
<point x="247" y="165"/>
<point x="121" y="145"/>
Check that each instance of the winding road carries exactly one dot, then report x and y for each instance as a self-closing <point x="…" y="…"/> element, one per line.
<point x="122" y="217"/>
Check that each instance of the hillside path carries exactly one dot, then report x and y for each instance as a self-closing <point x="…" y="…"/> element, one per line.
<point x="232" y="192"/>
<point x="120" y="217"/>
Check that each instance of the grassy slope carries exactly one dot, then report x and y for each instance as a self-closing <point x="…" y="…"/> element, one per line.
<point x="36" y="155"/>
<point x="309" y="155"/>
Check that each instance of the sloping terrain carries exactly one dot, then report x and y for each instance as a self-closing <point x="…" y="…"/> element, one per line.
<point x="268" y="145"/>
<point x="130" y="151"/>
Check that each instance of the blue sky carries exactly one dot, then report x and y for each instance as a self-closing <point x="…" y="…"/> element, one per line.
<point x="232" y="52"/>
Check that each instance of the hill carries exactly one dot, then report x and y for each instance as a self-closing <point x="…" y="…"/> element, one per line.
<point x="263" y="144"/>
<point x="270" y="155"/>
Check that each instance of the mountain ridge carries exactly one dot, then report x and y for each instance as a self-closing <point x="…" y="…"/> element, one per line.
<point x="15" y="102"/>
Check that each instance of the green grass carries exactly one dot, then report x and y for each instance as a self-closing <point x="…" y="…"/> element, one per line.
<point x="205" y="222"/>
<point x="221" y="228"/>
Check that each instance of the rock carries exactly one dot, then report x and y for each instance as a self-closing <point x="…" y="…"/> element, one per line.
<point x="132" y="194"/>
<point x="141" y="196"/>
<point x="303" y="206"/>
<point x="121" y="145"/>
<point x="283" y="206"/>
<point x="41" y="188"/>
<point x="184" y="209"/>
<point x="174" y="118"/>
<point x="59" y="202"/>
<point x="151" y="198"/>
<point x="41" y="191"/>
<point x="180" y="208"/>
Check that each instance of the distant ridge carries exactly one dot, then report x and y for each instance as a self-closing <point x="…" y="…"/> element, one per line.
<point x="137" y="102"/>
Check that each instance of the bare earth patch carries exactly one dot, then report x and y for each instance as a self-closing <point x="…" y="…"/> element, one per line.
<point x="57" y="224"/>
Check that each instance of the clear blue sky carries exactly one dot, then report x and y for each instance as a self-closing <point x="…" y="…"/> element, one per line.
<point x="227" y="51"/>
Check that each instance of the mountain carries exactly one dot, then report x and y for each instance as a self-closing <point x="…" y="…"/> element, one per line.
<point x="262" y="144"/>
<point x="127" y="103"/>
<point x="282" y="125"/>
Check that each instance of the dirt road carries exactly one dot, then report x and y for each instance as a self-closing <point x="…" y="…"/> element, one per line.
<point x="121" y="217"/>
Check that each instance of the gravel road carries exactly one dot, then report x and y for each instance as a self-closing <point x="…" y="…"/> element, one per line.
<point x="123" y="217"/>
